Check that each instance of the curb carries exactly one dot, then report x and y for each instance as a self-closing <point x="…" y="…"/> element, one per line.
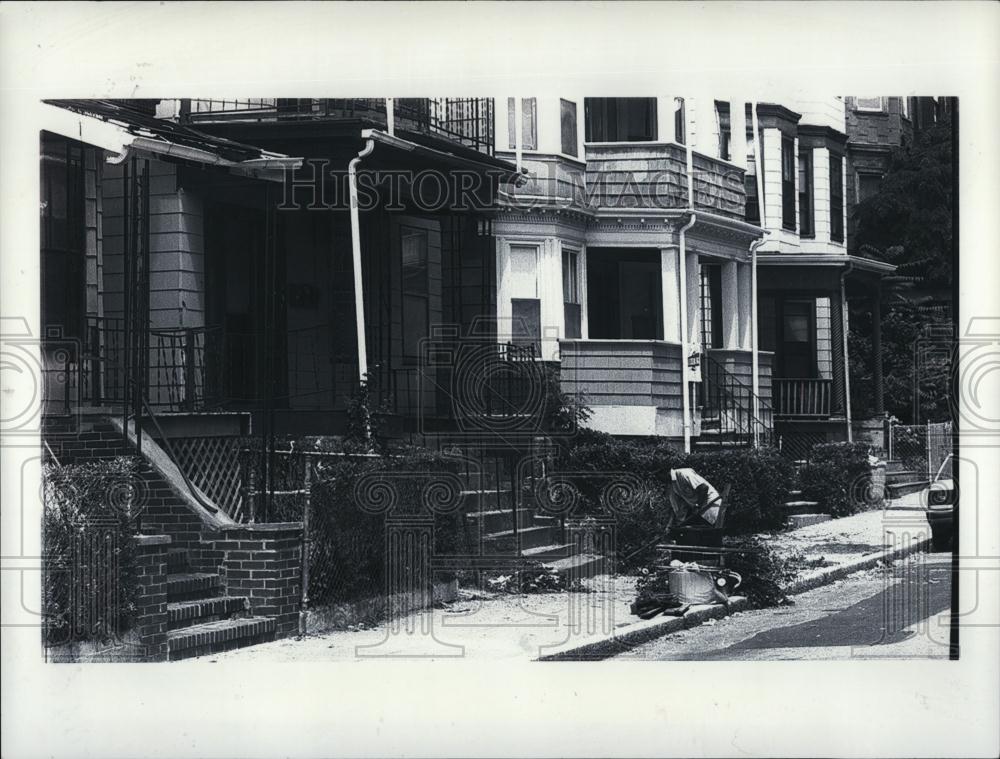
<point x="633" y="635"/>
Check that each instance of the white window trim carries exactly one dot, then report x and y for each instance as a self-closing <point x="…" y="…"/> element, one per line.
<point x="866" y="109"/>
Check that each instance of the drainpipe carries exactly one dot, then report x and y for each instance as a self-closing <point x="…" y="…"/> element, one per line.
<point x="390" y="116"/>
<point x="758" y="160"/>
<point x="685" y="368"/>
<point x="359" y="293"/>
<point x="847" y="366"/>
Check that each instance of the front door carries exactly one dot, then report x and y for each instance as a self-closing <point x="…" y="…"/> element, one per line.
<point x="798" y="340"/>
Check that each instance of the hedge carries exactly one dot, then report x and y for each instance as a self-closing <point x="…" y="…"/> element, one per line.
<point x="839" y="476"/>
<point x="89" y="583"/>
<point x="347" y="559"/>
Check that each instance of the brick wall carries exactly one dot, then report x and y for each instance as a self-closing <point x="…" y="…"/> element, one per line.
<point x="264" y="563"/>
<point x="151" y="615"/>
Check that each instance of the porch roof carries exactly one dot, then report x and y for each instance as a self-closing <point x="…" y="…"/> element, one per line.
<point x="822" y="259"/>
<point x="464" y="159"/>
<point x="118" y="128"/>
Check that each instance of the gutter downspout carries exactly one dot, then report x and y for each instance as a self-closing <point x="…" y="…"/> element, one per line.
<point x="847" y="366"/>
<point x="685" y="366"/>
<point x="359" y="292"/>
<point x="758" y="160"/>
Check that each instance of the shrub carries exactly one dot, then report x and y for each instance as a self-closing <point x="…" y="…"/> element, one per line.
<point x="760" y="480"/>
<point x="347" y="557"/>
<point x="89" y="584"/>
<point x="838" y="477"/>
<point x="765" y="573"/>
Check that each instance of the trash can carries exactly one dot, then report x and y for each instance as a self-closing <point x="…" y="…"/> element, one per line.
<point x="695" y="584"/>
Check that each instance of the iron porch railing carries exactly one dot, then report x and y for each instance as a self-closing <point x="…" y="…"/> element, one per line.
<point x="467" y="121"/>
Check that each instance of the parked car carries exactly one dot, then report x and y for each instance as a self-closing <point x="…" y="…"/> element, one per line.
<point x="941" y="501"/>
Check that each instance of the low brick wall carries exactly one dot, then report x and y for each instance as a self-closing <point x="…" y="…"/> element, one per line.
<point x="264" y="563"/>
<point x="151" y="615"/>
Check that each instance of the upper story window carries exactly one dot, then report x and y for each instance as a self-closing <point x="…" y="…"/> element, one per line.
<point x="871" y="105"/>
<point x="807" y="226"/>
<point x="868" y="185"/>
<point x="904" y="107"/>
<point x="752" y="214"/>
<point x="725" y="129"/>
<point x="529" y="124"/>
<point x="680" y="122"/>
<point x="620" y="119"/>
<point x="836" y="198"/>
<point x="788" y="170"/>
<point x="567" y="124"/>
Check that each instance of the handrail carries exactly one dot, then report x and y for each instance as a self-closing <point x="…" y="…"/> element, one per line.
<point x="718" y="379"/>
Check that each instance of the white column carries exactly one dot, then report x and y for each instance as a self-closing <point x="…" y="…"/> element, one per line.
<point x="503" y="290"/>
<point x="745" y="285"/>
<point x="738" y="139"/>
<point x="550" y="295"/>
<point x="730" y="306"/>
<point x="772" y="178"/>
<point x="821" y="194"/>
<point x="670" y="286"/>
<point x="693" y="277"/>
<point x="706" y="127"/>
<point x="584" y="321"/>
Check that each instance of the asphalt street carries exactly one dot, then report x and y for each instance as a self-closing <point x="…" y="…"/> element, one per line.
<point x="896" y="612"/>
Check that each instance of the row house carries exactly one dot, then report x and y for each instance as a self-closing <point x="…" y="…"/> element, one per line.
<point x="685" y="269"/>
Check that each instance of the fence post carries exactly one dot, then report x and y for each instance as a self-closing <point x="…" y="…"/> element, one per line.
<point x="306" y="542"/>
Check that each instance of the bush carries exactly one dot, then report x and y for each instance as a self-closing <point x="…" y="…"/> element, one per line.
<point x="347" y="559"/>
<point x="838" y="476"/>
<point x="765" y="572"/>
<point x="89" y="584"/>
<point x="759" y="478"/>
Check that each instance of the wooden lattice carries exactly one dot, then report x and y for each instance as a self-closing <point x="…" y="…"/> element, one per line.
<point x="212" y="464"/>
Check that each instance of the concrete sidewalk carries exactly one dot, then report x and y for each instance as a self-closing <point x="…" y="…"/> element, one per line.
<point x="591" y="624"/>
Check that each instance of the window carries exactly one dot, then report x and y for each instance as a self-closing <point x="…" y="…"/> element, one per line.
<point x="620" y="119"/>
<point x="680" y="122"/>
<point x="567" y="122"/>
<point x="868" y="185"/>
<point x="725" y="129"/>
<point x="416" y="302"/>
<point x="871" y="105"/>
<point x="752" y="214"/>
<point x="904" y="107"/>
<point x="806" y="222"/>
<point x="529" y="124"/>
<point x="788" y="183"/>
<point x="526" y="325"/>
<point x="797" y="357"/>
<point x="836" y="198"/>
<point x="571" y="293"/>
<point x="63" y="240"/>
<point x="711" y="305"/>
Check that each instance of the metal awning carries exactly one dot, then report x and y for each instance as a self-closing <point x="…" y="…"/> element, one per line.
<point x="120" y="130"/>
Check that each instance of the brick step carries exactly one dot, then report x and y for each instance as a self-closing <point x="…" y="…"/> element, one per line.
<point x="498" y="520"/>
<point x="799" y="507"/>
<point x="581" y="566"/>
<point x="189" y="586"/>
<point x="177" y="561"/>
<point x="795" y="521"/>
<point x="524" y="538"/>
<point x="553" y="551"/>
<point x="188" y="613"/>
<point x="214" y="637"/>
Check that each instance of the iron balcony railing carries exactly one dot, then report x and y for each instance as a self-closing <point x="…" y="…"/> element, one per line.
<point x="802" y="398"/>
<point x="467" y="121"/>
<point x="729" y="404"/>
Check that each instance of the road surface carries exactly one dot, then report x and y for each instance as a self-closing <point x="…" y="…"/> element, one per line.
<point x="900" y="611"/>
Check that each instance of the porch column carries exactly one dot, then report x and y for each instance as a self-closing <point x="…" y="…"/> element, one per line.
<point x="670" y="287"/>
<point x="693" y="276"/>
<point x="730" y="306"/>
<point x="744" y="283"/>
<point x="877" y="383"/>
<point x="665" y="118"/>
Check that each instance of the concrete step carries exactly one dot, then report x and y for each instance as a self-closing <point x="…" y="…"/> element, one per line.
<point x="222" y="635"/>
<point x="499" y="520"/>
<point x="189" y="586"/>
<point x="897" y="489"/>
<point x="799" y="507"/>
<point x="553" y="551"/>
<point x="524" y="538"/>
<point x="187" y="613"/>
<point x="795" y="521"/>
<point x="486" y="499"/>
<point x="580" y="566"/>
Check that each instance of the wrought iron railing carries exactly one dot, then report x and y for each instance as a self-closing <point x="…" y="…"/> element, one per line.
<point x="468" y="121"/>
<point x="742" y="418"/>
<point x="802" y="398"/>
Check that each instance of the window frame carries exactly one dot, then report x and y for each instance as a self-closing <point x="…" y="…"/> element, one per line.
<point x="564" y="133"/>
<point x="529" y="113"/>
<point x="836" y="199"/>
<point x="599" y="113"/>
<point x="724" y="121"/>
<point x="404" y="293"/>
<point x="868" y="109"/>
<point x="680" y="121"/>
<point x="572" y="302"/>
<point x="807" y="192"/>
<point x="789" y="165"/>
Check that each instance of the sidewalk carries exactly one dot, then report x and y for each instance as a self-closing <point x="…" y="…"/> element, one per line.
<point x="524" y="627"/>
